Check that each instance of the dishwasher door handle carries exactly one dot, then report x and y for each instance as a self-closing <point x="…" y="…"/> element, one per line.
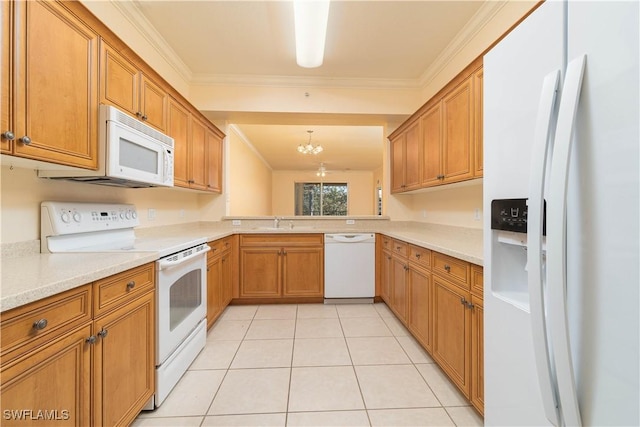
<point x="349" y="238"/>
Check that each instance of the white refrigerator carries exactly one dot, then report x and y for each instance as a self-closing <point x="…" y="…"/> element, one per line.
<point x="562" y="216"/>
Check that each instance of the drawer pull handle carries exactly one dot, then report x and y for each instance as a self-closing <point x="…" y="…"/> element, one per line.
<point x="103" y="333"/>
<point x="418" y="256"/>
<point x="398" y="247"/>
<point x="448" y="268"/>
<point x="92" y="339"/>
<point x="8" y="135"/>
<point x="40" y="324"/>
<point x="463" y="301"/>
<point x="131" y="285"/>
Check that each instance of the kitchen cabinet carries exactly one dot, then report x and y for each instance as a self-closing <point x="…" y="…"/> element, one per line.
<point x="50" y="110"/>
<point x="281" y="267"/>
<point x="214" y="155"/>
<point x="431" y="143"/>
<point x="86" y="355"/>
<point x="457" y="139"/>
<point x="385" y="277"/>
<point x="400" y="274"/>
<point x="196" y="152"/>
<point x="219" y="278"/>
<point x="125" y="86"/>
<point x="478" y="96"/>
<point x="178" y="121"/>
<point x="477" y="353"/>
<point x="420" y="305"/>
<point x="405" y="158"/>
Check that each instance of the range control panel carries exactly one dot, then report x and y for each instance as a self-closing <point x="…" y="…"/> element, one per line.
<point x="62" y="218"/>
<point x="511" y="215"/>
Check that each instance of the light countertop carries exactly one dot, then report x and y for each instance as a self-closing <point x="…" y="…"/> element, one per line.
<point x="28" y="276"/>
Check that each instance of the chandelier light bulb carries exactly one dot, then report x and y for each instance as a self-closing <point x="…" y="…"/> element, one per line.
<point x="309" y="148"/>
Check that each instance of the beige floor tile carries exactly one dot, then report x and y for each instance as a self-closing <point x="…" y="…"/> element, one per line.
<point x="216" y="355"/>
<point x="252" y="391"/>
<point x="394" y="387"/>
<point x="365" y="327"/>
<point x="191" y="396"/>
<point x="276" y="311"/>
<point x="228" y="330"/>
<point x="239" y="312"/>
<point x="414" y="350"/>
<point x="167" y="422"/>
<point x="324" y="389"/>
<point x="267" y="420"/>
<point x="271" y="329"/>
<point x="396" y="327"/>
<point x="263" y="354"/>
<point x="424" y="417"/>
<point x="356" y="310"/>
<point x="376" y="351"/>
<point x="445" y="391"/>
<point x="320" y="352"/>
<point x="318" y="328"/>
<point x="317" y="311"/>
<point x="329" y="418"/>
<point x="383" y="310"/>
<point x="465" y="416"/>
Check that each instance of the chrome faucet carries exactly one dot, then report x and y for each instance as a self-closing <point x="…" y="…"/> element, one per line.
<point x="276" y="222"/>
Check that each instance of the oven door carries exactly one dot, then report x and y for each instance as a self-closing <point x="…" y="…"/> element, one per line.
<point x="182" y="299"/>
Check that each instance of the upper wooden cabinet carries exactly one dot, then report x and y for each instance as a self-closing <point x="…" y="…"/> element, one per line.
<point x="442" y="142"/>
<point x="214" y="159"/>
<point x="49" y="84"/>
<point x="126" y="87"/>
<point x="197" y="155"/>
<point x="178" y="128"/>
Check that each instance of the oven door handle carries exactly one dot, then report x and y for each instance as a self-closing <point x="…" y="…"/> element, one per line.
<point x="164" y="264"/>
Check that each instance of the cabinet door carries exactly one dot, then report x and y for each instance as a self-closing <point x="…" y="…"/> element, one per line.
<point x="397" y="164"/>
<point x="413" y="140"/>
<point x="124" y="362"/>
<point x="56" y="78"/>
<point x="214" y="162"/>
<point x="214" y="290"/>
<point x="478" y="96"/>
<point x="6" y="66"/>
<point x="452" y="332"/>
<point x="153" y="103"/>
<point x="178" y="119"/>
<point x="118" y="81"/>
<point x="197" y="157"/>
<point x="420" y="305"/>
<point x="260" y="272"/>
<point x="431" y="146"/>
<point x="399" y="287"/>
<point x="302" y="272"/>
<point x="53" y="378"/>
<point x="226" y="279"/>
<point x="387" y="269"/>
<point x="477" y="354"/>
<point x="457" y="111"/>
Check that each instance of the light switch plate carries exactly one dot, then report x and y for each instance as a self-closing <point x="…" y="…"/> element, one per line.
<point x="351" y="221"/>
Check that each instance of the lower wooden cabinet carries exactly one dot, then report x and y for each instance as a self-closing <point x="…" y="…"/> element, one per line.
<point x="63" y="365"/>
<point x="219" y="279"/>
<point x="385" y="277"/>
<point x="275" y="266"/>
<point x="477" y="353"/>
<point x="400" y="273"/>
<point x="419" y="318"/>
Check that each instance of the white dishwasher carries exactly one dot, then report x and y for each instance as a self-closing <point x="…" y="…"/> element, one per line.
<point x="349" y="267"/>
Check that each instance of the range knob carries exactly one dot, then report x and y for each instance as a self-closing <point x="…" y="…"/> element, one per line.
<point x="128" y="215"/>
<point x="121" y="215"/>
<point x="77" y="217"/>
<point x="65" y="217"/>
<point x="134" y="215"/>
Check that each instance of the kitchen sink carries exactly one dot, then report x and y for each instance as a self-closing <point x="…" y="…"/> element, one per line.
<point x="285" y="228"/>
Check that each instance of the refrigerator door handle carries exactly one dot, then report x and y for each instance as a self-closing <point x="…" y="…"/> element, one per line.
<point x="556" y="243"/>
<point x="535" y="211"/>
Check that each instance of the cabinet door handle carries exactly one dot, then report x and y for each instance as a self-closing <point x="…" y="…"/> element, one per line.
<point x="8" y="135"/>
<point x="447" y="267"/>
<point x="40" y="324"/>
<point x="25" y="140"/>
<point x="418" y="256"/>
<point x="144" y="117"/>
<point x="406" y="267"/>
<point x="131" y="285"/>
<point x="139" y="113"/>
<point x="463" y="301"/>
<point x="103" y="333"/>
<point x="284" y="252"/>
<point x="92" y="339"/>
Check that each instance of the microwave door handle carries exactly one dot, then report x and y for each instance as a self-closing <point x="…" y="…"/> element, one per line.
<point x="164" y="264"/>
<point x="166" y="163"/>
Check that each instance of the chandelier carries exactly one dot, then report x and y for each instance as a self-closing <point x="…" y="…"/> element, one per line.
<point x="322" y="171"/>
<point x="309" y="148"/>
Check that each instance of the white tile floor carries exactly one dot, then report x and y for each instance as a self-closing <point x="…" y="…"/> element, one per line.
<point x="312" y="365"/>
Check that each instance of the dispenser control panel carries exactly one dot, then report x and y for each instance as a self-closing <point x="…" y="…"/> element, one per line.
<point x="511" y="215"/>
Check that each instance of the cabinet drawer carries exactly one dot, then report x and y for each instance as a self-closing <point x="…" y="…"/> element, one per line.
<point x="31" y="325"/>
<point x="420" y="256"/>
<point x="477" y="280"/>
<point x="116" y="290"/>
<point x="400" y="248"/>
<point x="220" y="246"/>
<point x="280" y="240"/>
<point x="452" y="269"/>
<point x="387" y="243"/>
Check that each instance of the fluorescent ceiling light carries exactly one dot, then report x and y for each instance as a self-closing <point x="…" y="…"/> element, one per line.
<point x="311" y="17"/>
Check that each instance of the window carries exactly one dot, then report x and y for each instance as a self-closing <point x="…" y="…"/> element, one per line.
<point x="318" y="198"/>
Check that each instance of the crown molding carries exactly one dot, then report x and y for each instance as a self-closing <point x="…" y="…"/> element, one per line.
<point x="132" y="13"/>
<point x="248" y="143"/>
<point x="477" y="22"/>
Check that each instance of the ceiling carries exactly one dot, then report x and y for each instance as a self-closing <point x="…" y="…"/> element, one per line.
<point x="373" y="40"/>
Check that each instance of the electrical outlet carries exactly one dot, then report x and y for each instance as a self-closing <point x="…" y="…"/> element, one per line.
<point x="351" y="221"/>
<point x="476" y="214"/>
<point x="181" y="213"/>
<point x="151" y="214"/>
<point x="236" y="222"/>
<point x="424" y="213"/>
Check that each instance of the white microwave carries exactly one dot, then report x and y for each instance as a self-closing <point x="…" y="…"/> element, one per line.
<point x="130" y="154"/>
